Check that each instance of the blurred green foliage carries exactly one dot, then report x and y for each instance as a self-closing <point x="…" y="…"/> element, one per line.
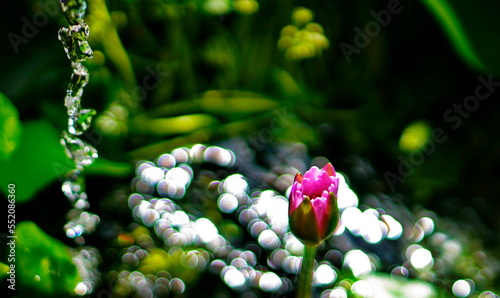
<point x="44" y="265"/>
<point x="10" y="128"/>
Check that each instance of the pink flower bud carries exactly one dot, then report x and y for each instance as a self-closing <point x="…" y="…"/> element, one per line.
<point x="313" y="213"/>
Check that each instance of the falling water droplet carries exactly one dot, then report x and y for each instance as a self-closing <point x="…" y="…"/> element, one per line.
<point x="74" y="10"/>
<point x="78" y="125"/>
<point x="75" y="42"/>
<point x="72" y="186"/>
<point x="80" y="152"/>
<point x="79" y="80"/>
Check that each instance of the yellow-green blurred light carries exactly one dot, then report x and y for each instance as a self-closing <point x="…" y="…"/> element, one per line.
<point x="415" y="136"/>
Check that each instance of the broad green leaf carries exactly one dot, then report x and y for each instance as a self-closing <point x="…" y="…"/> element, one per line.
<point x="473" y="30"/>
<point x="39" y="160"/>
<point x="44" y="265"/>
<point x="10" y="127"/>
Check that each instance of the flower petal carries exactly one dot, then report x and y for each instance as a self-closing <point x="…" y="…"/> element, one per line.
<point x="296" y="197"/>
<point x="324" y="181"/>
<point x="314" y="188"/>
<point x="329" y="169"/>
<point x="313" y="173"/>
<point x="328" y="220"/>
<point x="307" y="186"/>
<point x="322" y="211"/>
<point x="334" y="186"/>
<point x="298" y="177"/>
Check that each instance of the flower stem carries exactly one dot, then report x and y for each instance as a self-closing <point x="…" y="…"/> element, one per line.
<point x="306" y="272"/>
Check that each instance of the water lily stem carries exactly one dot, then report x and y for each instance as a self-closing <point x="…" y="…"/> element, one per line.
<point x="306" y="272"/>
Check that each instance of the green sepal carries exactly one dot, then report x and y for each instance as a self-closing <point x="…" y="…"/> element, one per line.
<point x="303" y="223"/>
<point x="334" y="215"/>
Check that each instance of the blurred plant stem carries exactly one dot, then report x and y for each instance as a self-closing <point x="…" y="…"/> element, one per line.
<point x="177" y="32"/>
<point x="306" y="272"/>
<point x="103" y="29"/>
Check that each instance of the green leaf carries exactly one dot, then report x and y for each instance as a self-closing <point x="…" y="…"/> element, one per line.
<point x="10" y="127"/>
<point x="473" y="30"/>
<point x="43" y="263"/>
<point x="39" y="160"/>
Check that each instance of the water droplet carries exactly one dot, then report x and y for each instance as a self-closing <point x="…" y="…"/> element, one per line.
<point x="178" y="286"/>
<point x="179" y="175"/>
<point x="270" y="282"/>
<point x="181" y="155"/>
<point x="277" y="258"/>
<point x="166" y="161"/>
<point x="78" y="124"/>
<point x="337" y="292"/>
<point x="170" y="189"/>
<point x="74" y="10"/>
<point x="206" y="229"/>
<point x="421" y="258"/>
<point x="358" y="262"/>
<point x="395" y="229"/>
<point x="72" y="186"/>
<point x="130" y="259"/>
<point x="227" y="203"/>
<point x="219" y="156"/>
<point x="197" y="152"/>
<point x="152" y="175"/>
<point x="362" y="288"/>
<point x="268" y="239"/>
<point x="463" y="287"/>
<point x="74" y="40"/>
<point x="150" y="217"/>
<point x="324" y="275"/>
<point x="79" y="151"/>
<point x="233" y="277"/>
<point x="81" y="289"/>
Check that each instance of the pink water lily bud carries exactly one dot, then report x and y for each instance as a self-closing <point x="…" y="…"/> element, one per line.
<point x="313" y="213"/>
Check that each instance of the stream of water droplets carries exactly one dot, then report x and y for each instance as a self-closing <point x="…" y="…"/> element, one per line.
<point x="75" y="43"/>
